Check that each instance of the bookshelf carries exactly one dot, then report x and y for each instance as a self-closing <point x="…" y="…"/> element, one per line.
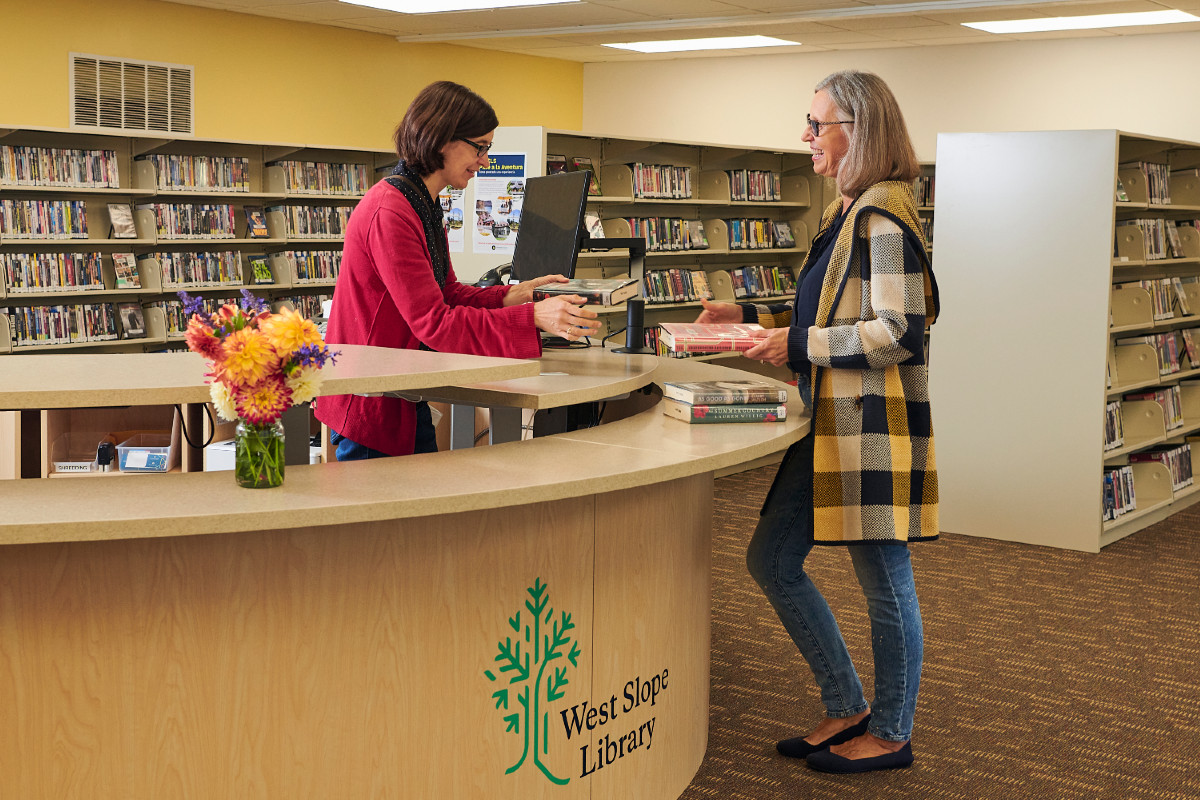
<point x="1039" y="283"/>
<point x="188" y="202"/>
<point x="169" y="186"/>
<point x="802" y="196"/>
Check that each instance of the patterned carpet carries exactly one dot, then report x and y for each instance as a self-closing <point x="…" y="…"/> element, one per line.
<point x="1049" y="674"/>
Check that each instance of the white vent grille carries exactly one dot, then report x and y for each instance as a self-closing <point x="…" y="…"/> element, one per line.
<point x="120" y="94"/>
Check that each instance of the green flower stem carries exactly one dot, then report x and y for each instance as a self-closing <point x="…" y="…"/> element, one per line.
<point x="258" y="457"/>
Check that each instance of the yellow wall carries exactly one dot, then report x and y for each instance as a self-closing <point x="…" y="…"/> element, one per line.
<point x="315" y="84"/>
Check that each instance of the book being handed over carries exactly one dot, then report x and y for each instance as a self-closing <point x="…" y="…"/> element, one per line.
<point x="699" y="337"/>
<point x="601" y="291"/>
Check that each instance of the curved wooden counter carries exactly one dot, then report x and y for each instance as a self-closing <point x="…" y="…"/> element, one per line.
<point x="437" y="626"/>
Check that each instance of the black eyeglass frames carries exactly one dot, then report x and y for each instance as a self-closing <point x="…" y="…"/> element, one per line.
<point x="481" y="150"/>
<point x="816" y="125"/>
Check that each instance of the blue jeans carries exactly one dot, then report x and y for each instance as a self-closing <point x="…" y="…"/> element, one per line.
<point x="781" y="543"/>
<point x="426" y="441"/>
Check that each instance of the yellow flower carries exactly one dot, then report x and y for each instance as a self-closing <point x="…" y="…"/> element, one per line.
<point x="288" y="331"/>
<point x="264" y="402"/>
<point x="249" y="357"/>
<point x="304" y="383"/>
<point x="223" y="401"/>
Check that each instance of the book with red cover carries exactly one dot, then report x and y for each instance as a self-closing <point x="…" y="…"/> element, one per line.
<point x="694" y="337"/>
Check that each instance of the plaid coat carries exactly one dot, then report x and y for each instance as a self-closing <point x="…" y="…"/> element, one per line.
<point x="875" y="476"/>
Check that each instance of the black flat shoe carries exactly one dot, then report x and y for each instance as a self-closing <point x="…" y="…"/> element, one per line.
<point x="825" y="761"/>
<point x="798" y="748"/>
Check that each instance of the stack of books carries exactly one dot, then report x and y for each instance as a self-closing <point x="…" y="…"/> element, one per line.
<point x="725" y="401"/>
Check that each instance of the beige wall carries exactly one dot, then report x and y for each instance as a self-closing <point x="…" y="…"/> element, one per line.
<point x="267" y="80"/>
<point x="1142" y="84"/>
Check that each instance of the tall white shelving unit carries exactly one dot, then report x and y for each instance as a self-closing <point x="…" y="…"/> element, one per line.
<point x="1026" y="266"/>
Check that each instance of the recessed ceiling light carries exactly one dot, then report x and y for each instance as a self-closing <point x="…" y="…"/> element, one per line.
<point x="436" y="6"/>
<point x="1084" y="22"/>
<point x="715" y="43"/>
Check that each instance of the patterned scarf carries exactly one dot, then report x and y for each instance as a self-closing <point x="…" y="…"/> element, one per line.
<point x="413" y="187"/>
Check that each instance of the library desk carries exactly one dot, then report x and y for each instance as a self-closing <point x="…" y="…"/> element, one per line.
<point x="529" y="619"/>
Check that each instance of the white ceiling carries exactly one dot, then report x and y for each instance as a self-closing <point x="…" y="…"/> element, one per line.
<point x="576" y="31"/>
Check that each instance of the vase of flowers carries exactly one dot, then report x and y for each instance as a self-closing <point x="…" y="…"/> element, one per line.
<point x="260" y="364"/>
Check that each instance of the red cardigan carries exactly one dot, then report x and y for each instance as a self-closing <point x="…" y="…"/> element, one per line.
<point x="386" y="296"/>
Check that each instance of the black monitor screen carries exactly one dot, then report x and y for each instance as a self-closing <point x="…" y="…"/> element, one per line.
<point x="551" y="225"/>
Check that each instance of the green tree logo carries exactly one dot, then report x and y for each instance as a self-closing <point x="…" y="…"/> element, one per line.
<point x="527" y="662"/>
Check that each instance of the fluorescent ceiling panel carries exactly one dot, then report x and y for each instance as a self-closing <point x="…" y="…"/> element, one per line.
<point x="1084" y="22"/>
<point x="714" y="43"/>
<point x="436" y="6"/>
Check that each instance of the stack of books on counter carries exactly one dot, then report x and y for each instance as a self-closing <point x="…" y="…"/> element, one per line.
<point x="725" y="401"/>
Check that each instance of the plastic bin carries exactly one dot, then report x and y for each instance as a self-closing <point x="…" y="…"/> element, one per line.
<point x="147" y="452"/>
<point x="75" y="451"/>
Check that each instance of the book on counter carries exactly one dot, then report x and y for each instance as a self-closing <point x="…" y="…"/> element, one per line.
<point x="725" y="393"/>
<point x="601" y="291"/>
<point x="695" y="337"/>
<point x="737" y="412"/>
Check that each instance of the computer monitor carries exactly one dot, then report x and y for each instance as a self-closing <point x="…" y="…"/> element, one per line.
<point x="551" y="226"/>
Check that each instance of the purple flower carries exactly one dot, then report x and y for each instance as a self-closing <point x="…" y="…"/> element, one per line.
<point x="250" y="303"/>
<point x="312" y="355"/>
<point x="192" y="305"/>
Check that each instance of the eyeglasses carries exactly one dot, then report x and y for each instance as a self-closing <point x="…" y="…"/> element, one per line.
<point x="816" y="125"/>
<point x="481" y="150"/>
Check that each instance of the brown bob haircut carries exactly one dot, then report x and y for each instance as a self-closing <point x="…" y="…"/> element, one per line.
<point x="442" y="112"/>
<point x="880" y="147"/>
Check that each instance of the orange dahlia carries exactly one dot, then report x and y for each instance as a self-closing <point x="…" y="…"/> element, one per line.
<point x="264" y="402"/>
<point x="249" y="357"/>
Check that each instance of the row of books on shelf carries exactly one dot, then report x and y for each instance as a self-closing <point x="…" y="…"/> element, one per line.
<point x="755" y="185"/>
<point x="761" y="281"/>
<point x="314" y="222"/>
<point x="26" y="273"/>
<point x="49" y="272"/>
<point x="927" y="229"/>
<point x="22" y="165"/>
<point x="668" y="233"/>
<point x="760" y="234"/>
<point x="176" y="319"/>
<point x="1171" y="347"/>
<point x="661" y="181"/>
<point x="1169" y="399"/>
<point x="923" y="190"/>
<point x="75" y="323"/>
<point x="49" y="219"/>
<point x="322" y="177"/>
<point x="1119" y="496"/>
<point x="1168" y="296"/>
<point x="704" y="402"/>
<point x="1160" y="236"/>
<point x="684" y="285"/>
<point x="199" y="172"/>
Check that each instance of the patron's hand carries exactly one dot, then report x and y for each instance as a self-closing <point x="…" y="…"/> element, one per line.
<point x="773" y="349"/>
<point x="523" y="292"/>
<point x="566" y="316"/>
<point x="716" y="313"/>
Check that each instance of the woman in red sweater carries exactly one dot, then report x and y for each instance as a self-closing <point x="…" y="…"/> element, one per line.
<point x="397" y="287"/>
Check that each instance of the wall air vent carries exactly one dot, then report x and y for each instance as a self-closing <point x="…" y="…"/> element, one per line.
<point x="126" y="95"/>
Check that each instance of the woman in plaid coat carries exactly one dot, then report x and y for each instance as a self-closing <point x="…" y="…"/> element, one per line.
<point x="865" y="477"/>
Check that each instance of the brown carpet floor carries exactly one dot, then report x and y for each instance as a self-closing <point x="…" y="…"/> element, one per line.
<point x="1049" y="674"/>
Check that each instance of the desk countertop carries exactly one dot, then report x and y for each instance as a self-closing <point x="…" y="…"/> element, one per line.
<point x="643" y="449"/>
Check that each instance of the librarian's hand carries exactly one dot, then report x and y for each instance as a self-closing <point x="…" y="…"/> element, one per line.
<point x="716" y="313"/>
<point x="773" y="349"/>
<point x="523" y="292"/>
<point x="566" y="316"/>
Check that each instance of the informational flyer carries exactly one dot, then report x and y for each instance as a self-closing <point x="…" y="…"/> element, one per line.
<point x="499" y="194"/>
<point x="454" y="211"/>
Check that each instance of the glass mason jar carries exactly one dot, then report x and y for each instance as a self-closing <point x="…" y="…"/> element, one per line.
<point x="258" y="454"/>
